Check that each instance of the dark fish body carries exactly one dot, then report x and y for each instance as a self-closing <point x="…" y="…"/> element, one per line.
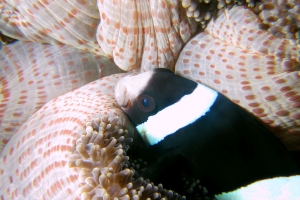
<point x="226" y="148"/>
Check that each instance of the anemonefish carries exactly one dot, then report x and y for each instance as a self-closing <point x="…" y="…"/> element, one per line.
<point x="188" y="129"/>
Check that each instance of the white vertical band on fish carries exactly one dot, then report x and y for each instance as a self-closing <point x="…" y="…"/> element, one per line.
<point x="182" y="113"/>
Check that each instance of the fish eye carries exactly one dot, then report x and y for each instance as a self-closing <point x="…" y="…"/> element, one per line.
<point x="145" y="103"/>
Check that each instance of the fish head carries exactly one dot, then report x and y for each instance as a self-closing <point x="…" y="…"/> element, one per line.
<point x="143" y="95"/>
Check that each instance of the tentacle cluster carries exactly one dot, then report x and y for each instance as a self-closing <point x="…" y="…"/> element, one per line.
<point x="204" y="10"/>
<point x="100" y="157"/>
<point x="194" y="190"/>
<point x="282" y="18"/>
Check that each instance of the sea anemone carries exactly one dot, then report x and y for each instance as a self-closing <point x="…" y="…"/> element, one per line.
<point x="33" y="73"/>
<point x="205" y="10"/>
<point x="250" y="66"/>
<point x="65" y="22"/>
<point x="282" y="18"/>
<point x="56" y="155"/>
<point x="137" y="34"/>
<point x="143" y="34"/>
<point x="5" y="39"/>
<point x="100" y="160"/>
<point x="34" y="161"/>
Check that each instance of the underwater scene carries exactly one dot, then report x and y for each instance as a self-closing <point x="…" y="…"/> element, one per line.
<point x="150" y="99"/>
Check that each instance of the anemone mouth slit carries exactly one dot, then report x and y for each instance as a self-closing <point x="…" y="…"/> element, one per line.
<point x="145" y="103"/>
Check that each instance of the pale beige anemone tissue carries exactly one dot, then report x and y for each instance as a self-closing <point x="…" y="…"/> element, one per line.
<point x="33" y="73"/>
<point x="250" y="66"/>
<point x="70" y="22"/>
<point x="142" y="33"/>
<point x="204" y="11"/>
<point x="135" y="33"/>
<point x="282" y="18"/>
<point x="37" y="163"/>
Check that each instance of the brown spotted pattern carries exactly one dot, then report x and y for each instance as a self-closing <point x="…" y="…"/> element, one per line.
<point x="251" y="67"/>
<point x="102" y="164"/>
<point x="34" y="163"/>
<point x="135" y="33"/>
<point x="8" y="16"/>
<point x="142" y="33"/>
<point x="282" y="18"/>
<point x="32" y="74"/>
<point x="71" y="22"/>
<point x="203" y="11"/>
